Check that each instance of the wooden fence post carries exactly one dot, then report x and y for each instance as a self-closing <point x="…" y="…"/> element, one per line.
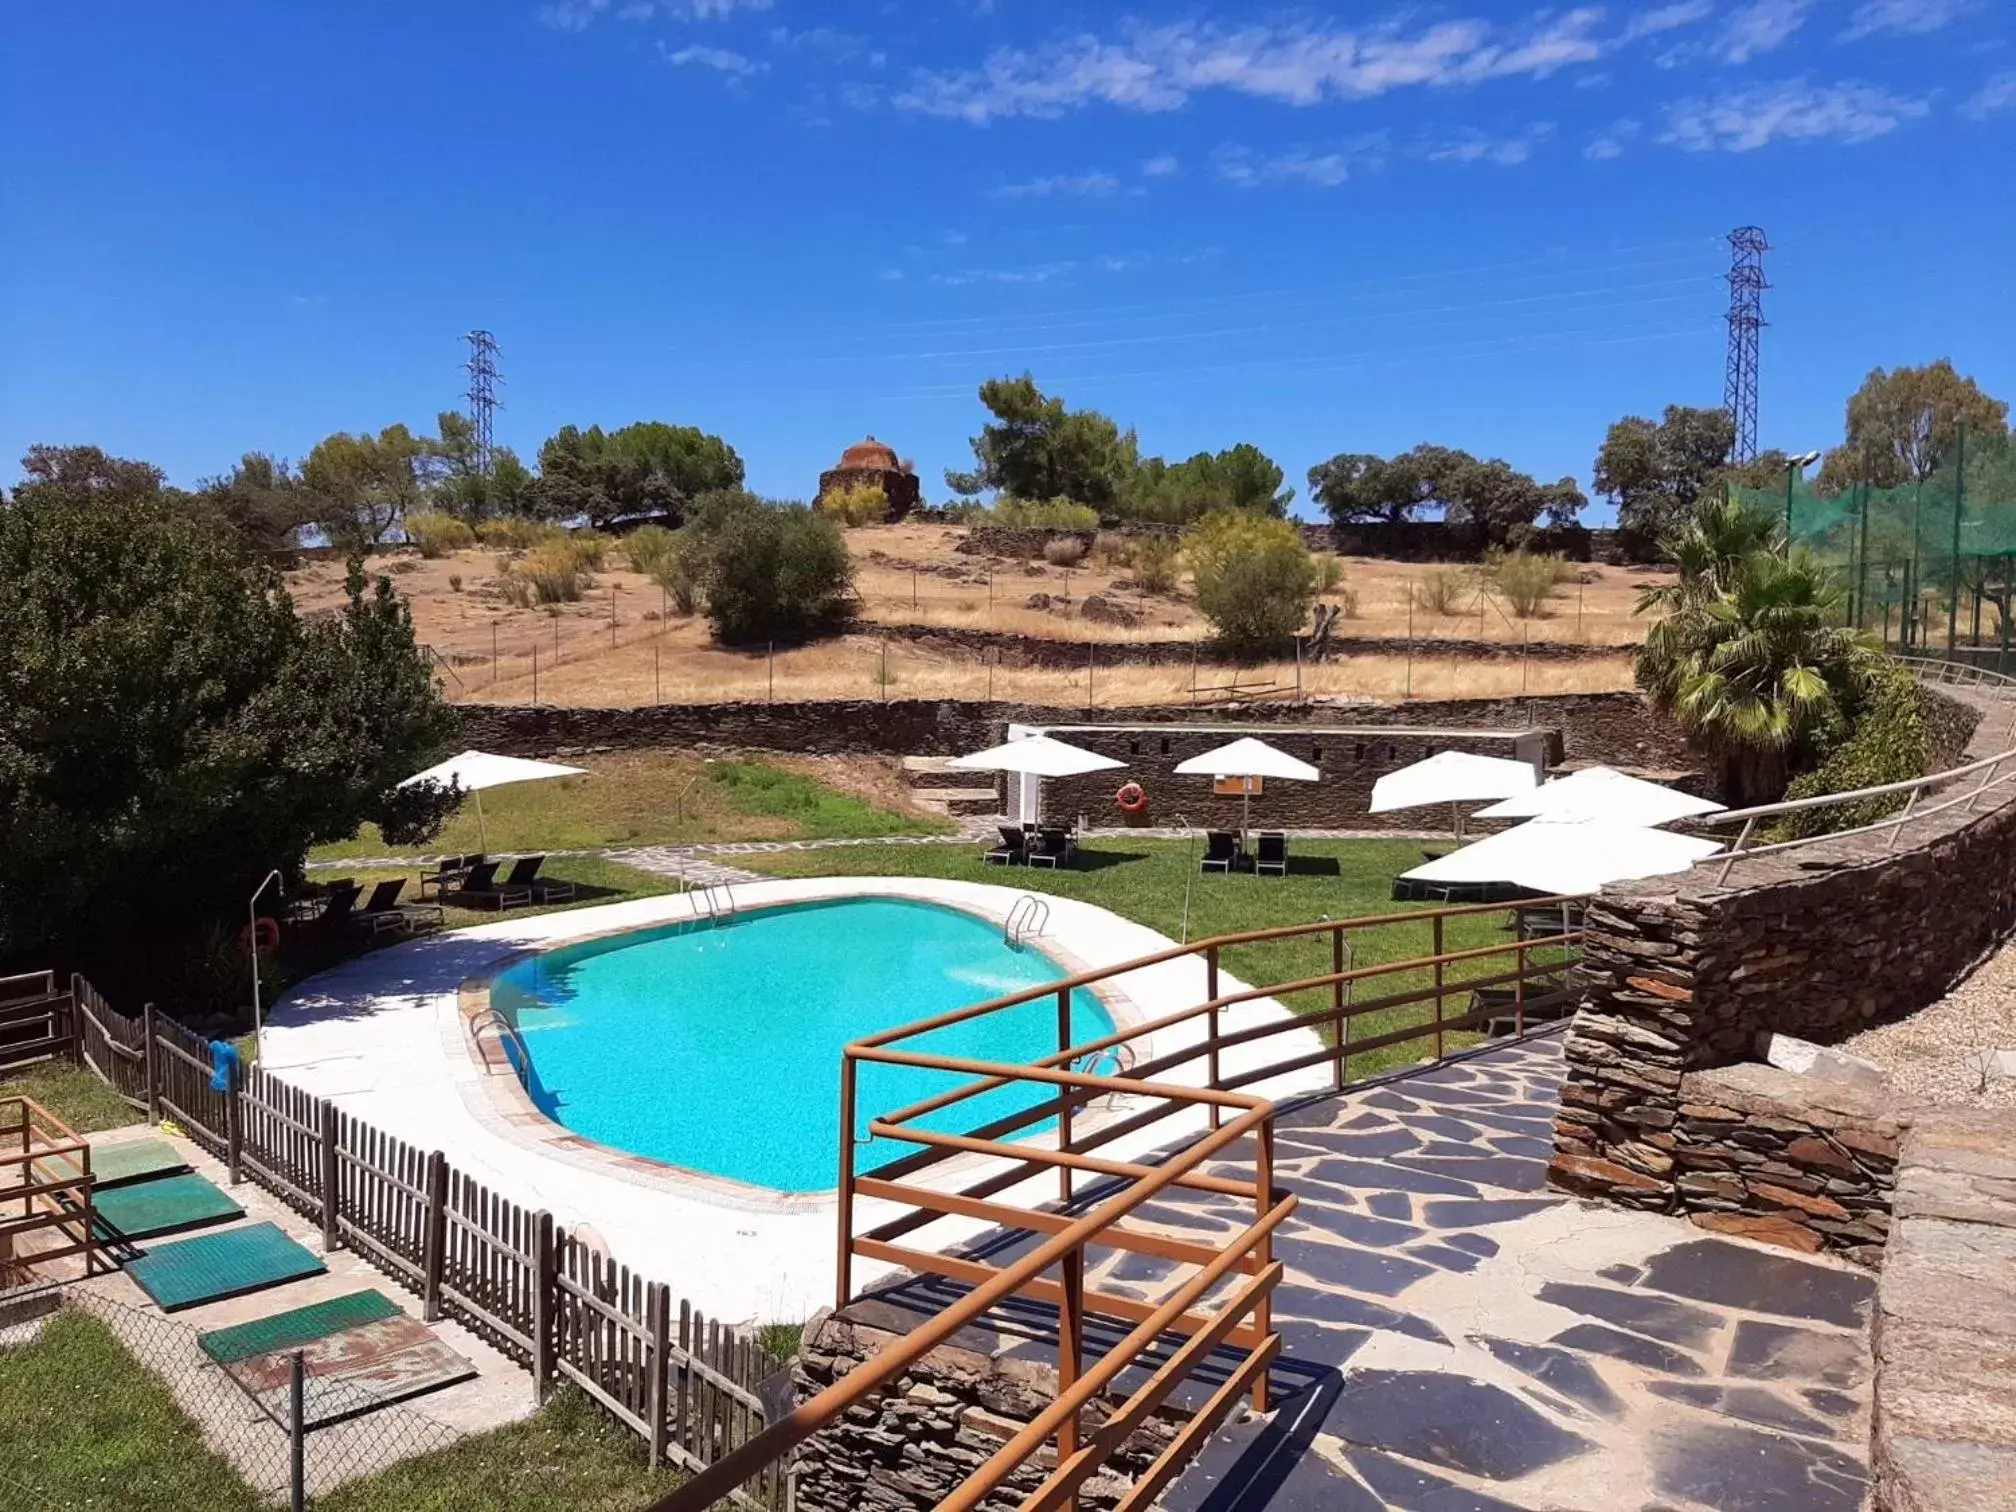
<point x="148" y="1063"/>
<point x="234" y="1122"/>
<point x="658" y="1359"/>
<point x="433" y="1253"/>
<point x="543" y="1287"/>
<point x="331" y="1180"/>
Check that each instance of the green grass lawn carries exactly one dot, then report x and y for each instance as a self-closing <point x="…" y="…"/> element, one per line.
<point x="73" y="1093"/>
<point x="1144" y="880"/>
<point x="650" y="798"/>
<point x="84" y="1426"/>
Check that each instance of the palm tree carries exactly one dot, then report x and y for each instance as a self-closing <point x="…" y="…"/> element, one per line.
<point x="1708" y="549"/>
<point x="1752" y="660"/>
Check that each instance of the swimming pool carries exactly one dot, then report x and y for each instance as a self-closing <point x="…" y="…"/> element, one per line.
<point x="718" y="1049"/>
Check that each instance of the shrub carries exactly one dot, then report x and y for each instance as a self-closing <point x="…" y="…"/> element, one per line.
<point x="1065" y="551"/>
<point x="1525" y="581"/>
<point x="1255" y="579"/>
<point x="1043" y="514"/>
<point x="649" y="548"/>
<point x="856" y="504"/>
<point x="1329" y="575"/>
<point x="1440" y="590"/>
<point x="516" y="533"/>
<point x="769" y="571"/>
<point x="1154" y="560"/>
<point x="1887" y="742"/>
<point x="549" y="574"/>
<point x="438" y="534"/>
<point x="454" y="582"/>
<point x="584" y="548"/>
<point x="1347" y="602"/>
<point x="1109" y="548"/>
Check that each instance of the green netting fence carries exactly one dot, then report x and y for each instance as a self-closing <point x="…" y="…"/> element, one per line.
<point x="1928" y="564"/>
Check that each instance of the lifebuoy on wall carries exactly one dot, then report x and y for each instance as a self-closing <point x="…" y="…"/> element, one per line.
<point x="1131" y="798"/>
<point x="262" y="935"/>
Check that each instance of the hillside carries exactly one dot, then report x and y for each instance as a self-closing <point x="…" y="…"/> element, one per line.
<point x="1016" y="632"/>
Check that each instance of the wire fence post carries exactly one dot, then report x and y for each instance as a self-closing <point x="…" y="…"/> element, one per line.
<point x="234" y="1125"/>
<point x="297" y="1434"/>
<point x="657" y="697"/>
<point x="773" y="671"/>
<point x="493" y="654"/>
<point x="1091" y="657"/>
<point x="535" y="672"/>
<point x="612" y="616"/>
<point x="1408" y="692"/>
<point x="1959" y="504"/>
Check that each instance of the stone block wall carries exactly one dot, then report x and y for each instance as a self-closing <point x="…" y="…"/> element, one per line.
<point x="908" y="1447"/>
<point x="1684" y="975"/>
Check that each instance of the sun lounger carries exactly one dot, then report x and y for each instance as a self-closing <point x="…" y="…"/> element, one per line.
<point x="1013" y="847"/>
<point x="342" y="899"/>
<point x="448" y="871"/>
<point x="1052" y="848"/>
<point x="1271" y="855"/>
<point x="1221" y="851"/>
<point x="381" y="910"/>
<point x="525" y="873"/>
<point x="481" y="886"/>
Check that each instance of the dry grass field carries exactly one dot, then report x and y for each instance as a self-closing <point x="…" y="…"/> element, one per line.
<point x="622" y="644"/>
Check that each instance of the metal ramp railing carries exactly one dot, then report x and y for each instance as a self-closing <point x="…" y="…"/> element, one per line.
<point x="716" y="904"/>
<point x="491" y="1018"/>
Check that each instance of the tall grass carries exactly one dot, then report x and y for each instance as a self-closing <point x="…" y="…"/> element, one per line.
<point x="438" y="534"/>
<point x="1526" y="581"/>
<point x="1440" y="590"/>
<point x="1154" y="560"/>
<point x="551" y="574"/>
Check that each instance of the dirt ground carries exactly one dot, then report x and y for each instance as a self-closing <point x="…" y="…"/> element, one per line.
<point x="623" y="644"/>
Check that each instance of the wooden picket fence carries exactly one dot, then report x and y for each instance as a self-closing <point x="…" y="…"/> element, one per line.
<point x="557" y="1304"/>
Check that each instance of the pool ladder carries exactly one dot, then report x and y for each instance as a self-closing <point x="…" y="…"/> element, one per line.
<point x="506" y="1030"/>
<point x="1028" y="918"/>
<point x="716" y="904"/>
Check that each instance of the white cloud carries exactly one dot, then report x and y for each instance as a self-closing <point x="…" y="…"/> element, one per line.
<point x="1999" y="93"/>
<point x="1326" y="170"/>
<point x="1162" y="67"/>
<point x="1874" y="18"/>
<point x="636" y="10"/>
<point x="1611" y="141"/>
<point x="1162" y="165"/>
<point x="1094" y="184"/>
<point x="1755" y="29"/>
<point x="1040" y="273"/>
<point x="715" y="10"/>
<point x="721" y="59"/>
<point x="1480" y="147"/>
<point x="572" y="15"/>
<point x="1745" y="119"/>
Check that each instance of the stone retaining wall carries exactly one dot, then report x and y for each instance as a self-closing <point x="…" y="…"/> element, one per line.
<point x="912" y="1444"/>
<point x="1684" y="975"/>
<point x="1018" y="650"/>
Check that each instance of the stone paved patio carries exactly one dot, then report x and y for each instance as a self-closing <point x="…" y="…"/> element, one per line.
<point x="1458" y="1338"/>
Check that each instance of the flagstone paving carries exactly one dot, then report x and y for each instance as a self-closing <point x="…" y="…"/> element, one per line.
<point x="1459" y="1338"/>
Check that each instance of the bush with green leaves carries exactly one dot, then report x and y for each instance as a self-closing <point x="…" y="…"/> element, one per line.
<point x="1441" y="590"/>
<point x="1155" y="561"/>
<point x="649" y="548"/>
<point x="518" y="533"/>
<point x="1042" y="514"/>
<point x="171" y="728"/>
<point x="1525" y="580"/>
<point x="435" y="535"/>
<point x="855" y="505"/>
<point x="1329" y="575"/>
<point x="1254" y="576"/>
<point x="769" y="571"/>
<point x="1887" y="742"/>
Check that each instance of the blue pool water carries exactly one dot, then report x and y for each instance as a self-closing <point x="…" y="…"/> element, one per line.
<point x="718" y="1049"/>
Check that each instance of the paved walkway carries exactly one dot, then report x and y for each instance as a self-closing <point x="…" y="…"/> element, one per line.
<point x="1458" y="1338"/>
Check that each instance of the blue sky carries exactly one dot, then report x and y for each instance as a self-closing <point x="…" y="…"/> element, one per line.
<point x="236" y="226"/>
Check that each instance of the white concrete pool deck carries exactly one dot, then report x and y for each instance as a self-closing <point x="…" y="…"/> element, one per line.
<point x="383" y="1037"/>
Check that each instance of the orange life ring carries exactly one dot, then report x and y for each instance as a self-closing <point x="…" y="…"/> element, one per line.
<point x="1131" y="798"/>
<point x="262" y="935"/>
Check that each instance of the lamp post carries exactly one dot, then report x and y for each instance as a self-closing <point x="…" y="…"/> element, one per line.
<point x="1793" y="467"/>
<point x="252" y="948"/>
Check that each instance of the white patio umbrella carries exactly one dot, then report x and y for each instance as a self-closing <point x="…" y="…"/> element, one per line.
<point x="1577" y="856"/>
<point x="1248" y="757"/>
<point x="1452" y="777"/>
<point x="1601" y="792"/>
<point x="477" y="770"/>
<point x="1036" y="756"/>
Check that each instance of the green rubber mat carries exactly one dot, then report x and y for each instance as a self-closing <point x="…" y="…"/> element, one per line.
<point x="162" y="1206"/>
<point x="117" y="1164"/>
<point x="291" y="1330"/>
<point x="211" y="1267"/>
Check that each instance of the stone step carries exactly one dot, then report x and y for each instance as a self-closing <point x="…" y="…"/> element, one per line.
<point x="958" y="800"/>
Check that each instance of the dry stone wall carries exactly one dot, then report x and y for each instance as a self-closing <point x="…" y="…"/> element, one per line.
<point x="1684" y="976"/>
<point x="908" y="1447"/>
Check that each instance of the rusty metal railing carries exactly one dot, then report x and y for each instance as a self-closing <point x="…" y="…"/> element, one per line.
<point x="46" y="1168"/>
<point x="1017" y="1149"/>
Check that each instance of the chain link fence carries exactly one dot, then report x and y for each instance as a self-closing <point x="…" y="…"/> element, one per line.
<point x="1929" y="563"/>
